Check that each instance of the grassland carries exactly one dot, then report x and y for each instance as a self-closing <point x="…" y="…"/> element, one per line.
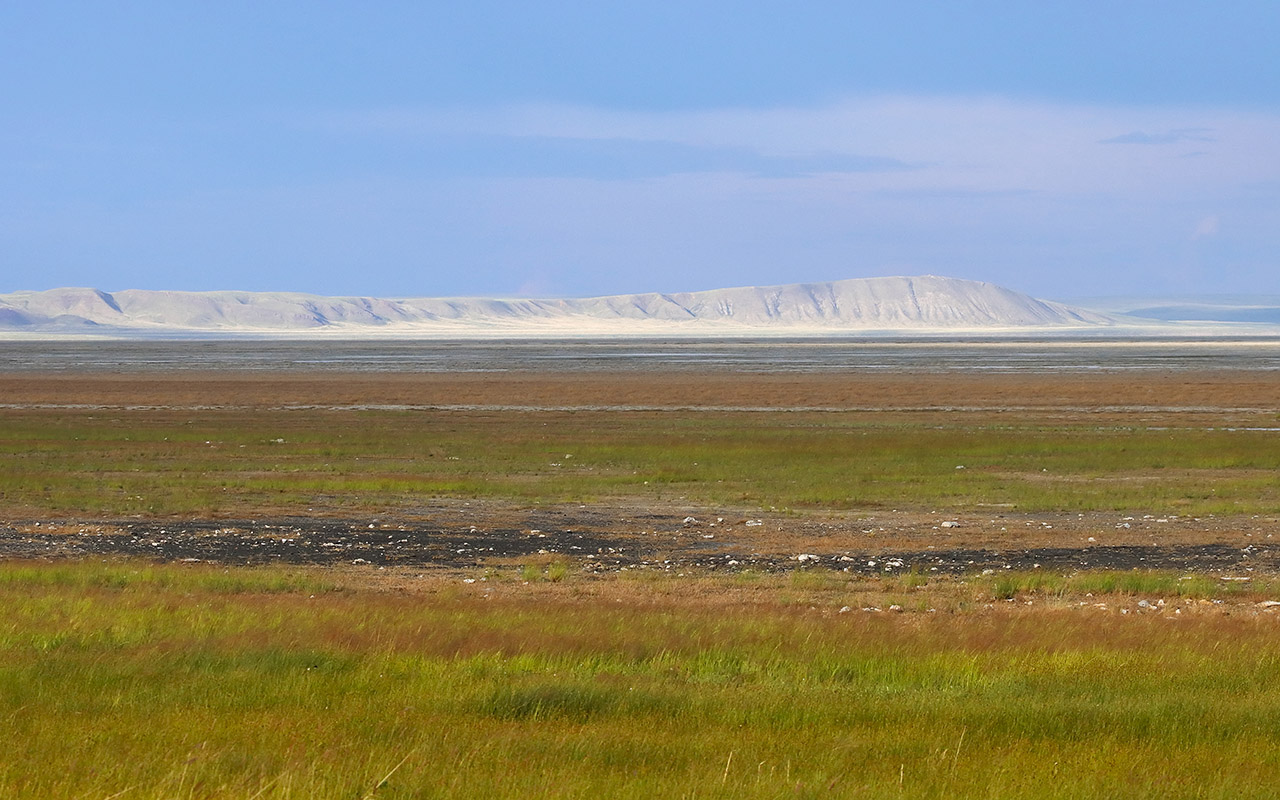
<point x="219" y="463"/>
<point x="136" y="680"/>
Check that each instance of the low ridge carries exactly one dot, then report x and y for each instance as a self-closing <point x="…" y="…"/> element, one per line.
<point x="860" y="304"/>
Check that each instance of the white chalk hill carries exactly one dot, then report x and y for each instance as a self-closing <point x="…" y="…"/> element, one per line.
<point x="862" y="304"/>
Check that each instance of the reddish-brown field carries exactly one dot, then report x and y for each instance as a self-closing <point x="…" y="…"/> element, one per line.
<point x="1219" y="392"/>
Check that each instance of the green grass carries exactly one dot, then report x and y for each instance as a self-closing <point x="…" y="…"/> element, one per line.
<point x="1150" y="584"/>
<point x="209" y="462"/>
<point x="142" y="575"/>
<point x="155" y="681"/>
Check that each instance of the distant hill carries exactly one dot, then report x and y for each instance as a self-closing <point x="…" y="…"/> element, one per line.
<point x="1258" y="309"/>
<point x="918" y="304"/>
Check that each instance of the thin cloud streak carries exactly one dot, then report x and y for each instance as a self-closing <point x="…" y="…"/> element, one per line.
<point x="962" y="144"/>
<point x="489" y="155"/>
<point x="1168" y="137"/>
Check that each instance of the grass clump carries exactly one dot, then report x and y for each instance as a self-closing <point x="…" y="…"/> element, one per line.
<point x="1010" y="584"/>
<point x="134" y="575"/>
<point x="547" y="701"/>
<point x="553" y="570"/>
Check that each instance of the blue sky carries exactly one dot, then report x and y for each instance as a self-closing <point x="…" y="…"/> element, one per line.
<point x="585" y="148"/>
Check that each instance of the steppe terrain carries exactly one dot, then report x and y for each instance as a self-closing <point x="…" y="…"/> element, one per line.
<point x="583" y="507"/>
<point x="639" y="584"/>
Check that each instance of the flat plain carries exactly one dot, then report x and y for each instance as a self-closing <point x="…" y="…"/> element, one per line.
<point x="247" y="584"/>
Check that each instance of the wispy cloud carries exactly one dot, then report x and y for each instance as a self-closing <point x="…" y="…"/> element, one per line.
<point x="929" y="144"/>
<point x="493" y="155"/>
<point x="1166" y="137"/>
<point x="1207" y="227"/>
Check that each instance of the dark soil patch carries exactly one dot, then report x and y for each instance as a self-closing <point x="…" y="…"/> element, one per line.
<point x="592" y="540"/>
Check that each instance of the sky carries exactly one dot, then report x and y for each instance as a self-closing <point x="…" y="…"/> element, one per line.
<point x="565" y="148"/>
